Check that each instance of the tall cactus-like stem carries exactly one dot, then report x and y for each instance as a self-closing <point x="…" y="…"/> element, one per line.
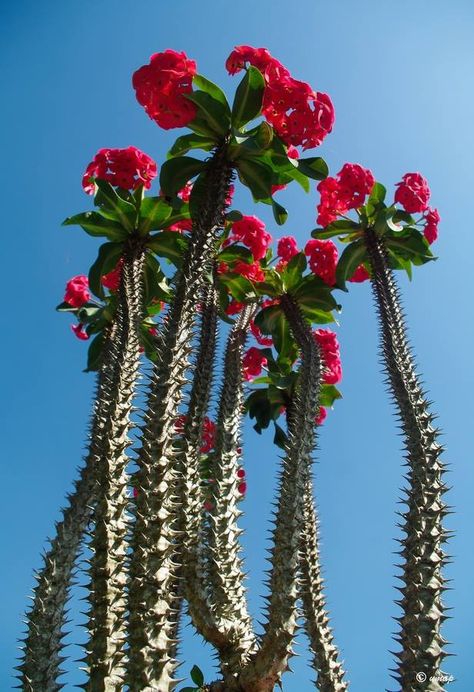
<point x="107" y="622"/>
<point x="325" y="653"/>
<point x="420" y="636"/>
<point x="154" y="572"/>
<point x="40" y="668"/>
<point x="226" y="575"/>
<point x="271" y="660"/>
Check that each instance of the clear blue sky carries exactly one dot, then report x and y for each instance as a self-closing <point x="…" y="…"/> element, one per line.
<point x="400" y="76"/>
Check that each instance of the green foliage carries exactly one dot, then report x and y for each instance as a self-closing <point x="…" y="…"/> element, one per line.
<point x="109" y="255"/>
<point x="176" y="172"/>
<point x="248" y="98"/>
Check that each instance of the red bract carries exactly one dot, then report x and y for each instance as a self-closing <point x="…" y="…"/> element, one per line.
<point x="126" y="168"/>
<point x="241" y="473"/>
<point x="185" y="192"/>
<point x="299" y="115"/>
<point x="253" y="362"/>
<point x="251" y="232"/>
<point x="360" y="274"/>
<point x="160" y="87"/>
<point x="346" y="191"/>
<point x="181" y="226"/>
<point x="77" y="291"/>
<point x="208" y="432"/>
<point x="112" y="279"/>
<point x="413" y="193"/>
<point x="432" y="219"/>
<point x="287" y="248"/>
<point x="253" y="272"/>
<point x="78" y="330"/>
<point x="261" y="339"/>
<point x="330" y="355"/>
<point x="322" y="259"/>
<point x="234" y="307"/>
<point x="321" y="417"/>
<point x="242" y="487"/>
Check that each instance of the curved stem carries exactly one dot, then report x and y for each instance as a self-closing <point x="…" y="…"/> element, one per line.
<point x="107" y="623"/>
<point x="423" y="557"/>
<point x="271" y="660"/>
<point x="154" y="572"/>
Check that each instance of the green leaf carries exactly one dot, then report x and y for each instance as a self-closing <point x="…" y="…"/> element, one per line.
<point x="376" y="199"/>
<point x="169" y="244"/>
<point x="94" y="353"/>
<point x="175" y="173"/>
<point x="353" y="255"/>
<point x="328" y="395"/>
<point x="240" y="288"/>
<point x="211" y="111"/>
<point x="234" y="253"/>
<point x="401" y="215"/>
<point x="65" y="307"/>
<point x="109" y="254"/>
<point x="153" y="213"/>
<point x="198" y="196"/>
<point x="294" y="270"/>
<point x="210" y="88"/>
<point x="272" y="321"/>
<point x="156" y="286"/>
<point x="280" y="438"/>
<point x="410" y="244"/>
<point x="336" y="228"/>
<point x="248" y="98"/>
<point x="315" y="300"/>
<point x="234" y="215"/>
<point x="313" y="167"/>
<point x="279" y="213"/>
<point x="263" y="135"/>
<point x="87" y="314"/>
<point x="192" y="141"/>
<point x="258" y="177"/>
<point x="197" y="676"/>
<point x="97" y="225"/>
<point x="119" y="209"/>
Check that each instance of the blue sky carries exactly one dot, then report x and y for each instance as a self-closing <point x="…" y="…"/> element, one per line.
<point x="400" y="76"/>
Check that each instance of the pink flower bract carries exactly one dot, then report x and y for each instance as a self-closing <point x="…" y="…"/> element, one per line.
<point x="413" y="193"/>
<point x="77" y="293"/>
<point x="322" y="259"/>
<point x="126" y="168"/>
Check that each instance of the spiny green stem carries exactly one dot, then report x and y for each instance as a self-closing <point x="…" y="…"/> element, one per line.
<point x="40" y="667"/>
<point x="107" y="626"/>
<point x="271" y="660"/>
<point x="423" y="557"/>
<point x="154" y="572"/>
<point x="326" y="655"/>
<point x="226" y="576"/>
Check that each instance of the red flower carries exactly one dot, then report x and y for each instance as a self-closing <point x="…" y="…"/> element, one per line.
<point x="322" y="257"/>
<point x="287" y="248"/>
<point x="242" y="487"/>
<point x="299" y="115"/>
<point x="241" y="473"/>
<point x="127" y="168"/>
<point x="78" y="330"/>
<point x="76" y="291"/>
<point x="112" y="279"/>
<point x="208" y="432"/>
<point x="321" y="417"/>
<point x="253" y="272"/>
<point x="347" y="190"/>
<point x="253" y="362"/>
<point x="261" y="339"/>
<point x="251" y="232"/>
<point x="330" y="355"/>
<point x="432" y="219"/>
<point x="181" y="226"/>
<point x="360" y="274"/>
<point x="185" y="192"/>
<point x="160" y="88"/>
<point x="413" y="193"/>
<point x="230" y="194"/>
<point x="234" y="307"/>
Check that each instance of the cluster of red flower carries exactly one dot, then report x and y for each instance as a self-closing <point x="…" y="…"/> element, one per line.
<point x="127" y="168"/>
<point x="299" y="115"/>
<point x="160" y="87"/>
